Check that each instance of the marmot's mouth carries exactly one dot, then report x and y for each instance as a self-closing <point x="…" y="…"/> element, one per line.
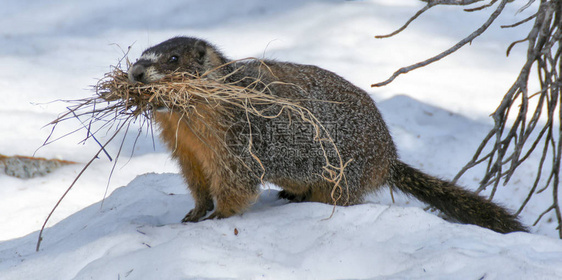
<point x="144" y="73"/>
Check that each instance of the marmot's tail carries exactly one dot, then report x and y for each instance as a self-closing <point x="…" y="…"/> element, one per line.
<point x="457" y="203"/>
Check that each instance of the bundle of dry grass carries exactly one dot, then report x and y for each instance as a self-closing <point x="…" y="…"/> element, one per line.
<point x="182" y="92"/>
<point x="118" y="102"/>
<point x="118" y="99"/>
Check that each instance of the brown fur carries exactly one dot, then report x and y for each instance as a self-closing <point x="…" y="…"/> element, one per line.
<point x="211" y="141"/>
<point x="195" y="144"/>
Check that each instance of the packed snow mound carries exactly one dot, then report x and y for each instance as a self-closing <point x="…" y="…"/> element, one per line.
<point x="136" y="234"/>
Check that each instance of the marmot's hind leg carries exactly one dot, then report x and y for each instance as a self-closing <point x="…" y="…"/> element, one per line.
<point x="316" y="192"/>
<point x="293" y="190"/>
<point x="292" y="197"/>
<point x="323" y="191"/>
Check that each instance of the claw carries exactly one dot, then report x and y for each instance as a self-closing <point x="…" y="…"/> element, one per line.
<point x="195" y="214"/>
<point x="215" y="215"/>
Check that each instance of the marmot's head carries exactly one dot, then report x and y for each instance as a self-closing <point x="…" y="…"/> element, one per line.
<point x="181" y="54"/>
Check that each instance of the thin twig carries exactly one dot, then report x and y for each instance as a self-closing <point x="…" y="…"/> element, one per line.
<point x="421" y="11"/>
<point x="520" y="22"/>
<point x="40" y="238"/>
<point x="481" y="7"/>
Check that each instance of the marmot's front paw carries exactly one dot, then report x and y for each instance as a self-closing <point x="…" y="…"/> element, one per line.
<point x="196" y="214"/>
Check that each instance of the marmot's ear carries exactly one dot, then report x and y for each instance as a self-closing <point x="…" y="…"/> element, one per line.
<point x="200" y="50"/>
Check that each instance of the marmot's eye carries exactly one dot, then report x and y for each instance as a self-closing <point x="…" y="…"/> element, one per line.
<point x="173" y="58"/>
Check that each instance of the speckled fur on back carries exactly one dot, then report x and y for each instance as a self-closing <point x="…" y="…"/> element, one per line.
<point x="213" y="149"/>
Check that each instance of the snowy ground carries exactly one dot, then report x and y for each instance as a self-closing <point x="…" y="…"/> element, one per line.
<point x="56" y="50"/>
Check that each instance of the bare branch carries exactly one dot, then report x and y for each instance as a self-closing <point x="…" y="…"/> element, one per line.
<point x="509" y="149"/>
<point x="518" y="130"/>
<point x="451" y="50"/>
<point x="508" y="51"/>
<point x="526" y="6"/>
<point x="520" y="22"/>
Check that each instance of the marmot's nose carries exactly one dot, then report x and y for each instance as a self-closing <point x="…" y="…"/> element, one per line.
<point x="136" y="73"/>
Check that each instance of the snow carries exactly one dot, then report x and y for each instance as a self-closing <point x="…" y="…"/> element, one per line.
<point x="437" y="115"/>
<point x="136" y="236"/>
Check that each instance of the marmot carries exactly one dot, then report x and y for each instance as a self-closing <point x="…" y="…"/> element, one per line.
<point x="212" y="147"/>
